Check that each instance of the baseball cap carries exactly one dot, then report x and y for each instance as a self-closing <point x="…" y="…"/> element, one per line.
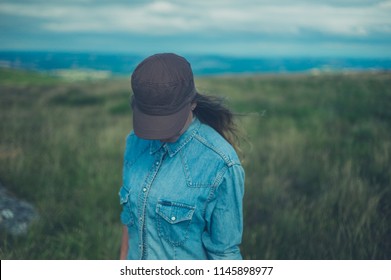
<point x="163" y="88"/>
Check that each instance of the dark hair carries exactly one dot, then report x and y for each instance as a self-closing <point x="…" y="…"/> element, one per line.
<point x="212" y="111"/>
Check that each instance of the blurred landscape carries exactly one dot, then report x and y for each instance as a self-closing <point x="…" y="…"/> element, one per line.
<point x="310" y="82"/>
<point x="103" y="65"/>
<point x="316" y="149"/>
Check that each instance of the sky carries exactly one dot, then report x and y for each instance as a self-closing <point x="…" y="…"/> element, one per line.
<point x="257" y="28"/>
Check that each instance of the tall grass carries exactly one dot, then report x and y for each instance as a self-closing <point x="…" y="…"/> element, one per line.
<point x="319" y="165"/>
<point x="316" y="155"/>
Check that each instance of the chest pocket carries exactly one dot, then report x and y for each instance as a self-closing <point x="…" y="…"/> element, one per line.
<point x="173" y="221"/>
<point x="126" y="214"/>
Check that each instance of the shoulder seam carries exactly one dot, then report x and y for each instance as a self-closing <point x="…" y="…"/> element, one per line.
<point x="228" y="161"/>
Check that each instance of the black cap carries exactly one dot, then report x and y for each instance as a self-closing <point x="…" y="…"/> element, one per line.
<point x="163" y="88"/>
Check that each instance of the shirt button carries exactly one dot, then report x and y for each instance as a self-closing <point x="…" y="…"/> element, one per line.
<point x="144" y="189"/>
<point x="157" y="163"/>
<point x="173" y="218"/>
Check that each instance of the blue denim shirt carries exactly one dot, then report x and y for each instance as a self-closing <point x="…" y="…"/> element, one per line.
<point x="183" y="200"/>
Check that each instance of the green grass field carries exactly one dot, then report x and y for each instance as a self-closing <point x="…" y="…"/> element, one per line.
<point x="316" y="150"/>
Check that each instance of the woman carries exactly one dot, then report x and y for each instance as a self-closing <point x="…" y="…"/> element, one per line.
<point x="183" y="182"/>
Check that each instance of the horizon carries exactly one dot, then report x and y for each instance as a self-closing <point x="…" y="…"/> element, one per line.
<point x="199" y="54"/>
<point x="122" y="64"/>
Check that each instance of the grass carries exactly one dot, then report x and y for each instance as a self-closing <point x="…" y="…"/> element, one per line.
<point x="317" y="156"/>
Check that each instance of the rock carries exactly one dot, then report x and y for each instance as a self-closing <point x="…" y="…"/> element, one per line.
<point x="7" y="214"/>
<point x="15" y="215"/>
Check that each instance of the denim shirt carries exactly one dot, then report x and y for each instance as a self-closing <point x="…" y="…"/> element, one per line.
<point x="182" y="200"/>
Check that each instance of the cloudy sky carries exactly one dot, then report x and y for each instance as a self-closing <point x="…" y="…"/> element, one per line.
<point x="355" y="28"/>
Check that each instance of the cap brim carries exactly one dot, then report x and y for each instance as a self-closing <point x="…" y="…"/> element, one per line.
<point x="159" y="127"/>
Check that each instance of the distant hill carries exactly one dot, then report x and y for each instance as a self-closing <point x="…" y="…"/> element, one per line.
<point x="123" y="64"/>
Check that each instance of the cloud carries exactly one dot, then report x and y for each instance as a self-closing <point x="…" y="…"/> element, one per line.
<point x="240" y="24"/>
<point x="152" y="18"/>
<point x="173" y="17"/>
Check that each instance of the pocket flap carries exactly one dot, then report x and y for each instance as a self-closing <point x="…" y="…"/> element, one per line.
<point x="174" y="212"/>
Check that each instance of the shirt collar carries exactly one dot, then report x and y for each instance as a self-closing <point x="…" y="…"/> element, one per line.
<point x="175" y="147"/>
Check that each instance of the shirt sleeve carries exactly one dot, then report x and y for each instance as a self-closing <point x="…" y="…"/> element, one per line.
<point x="124" y="191"/>
<point x="224" y="217"/>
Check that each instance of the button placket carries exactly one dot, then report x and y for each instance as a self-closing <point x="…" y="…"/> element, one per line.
<point x="145" y="193"/>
